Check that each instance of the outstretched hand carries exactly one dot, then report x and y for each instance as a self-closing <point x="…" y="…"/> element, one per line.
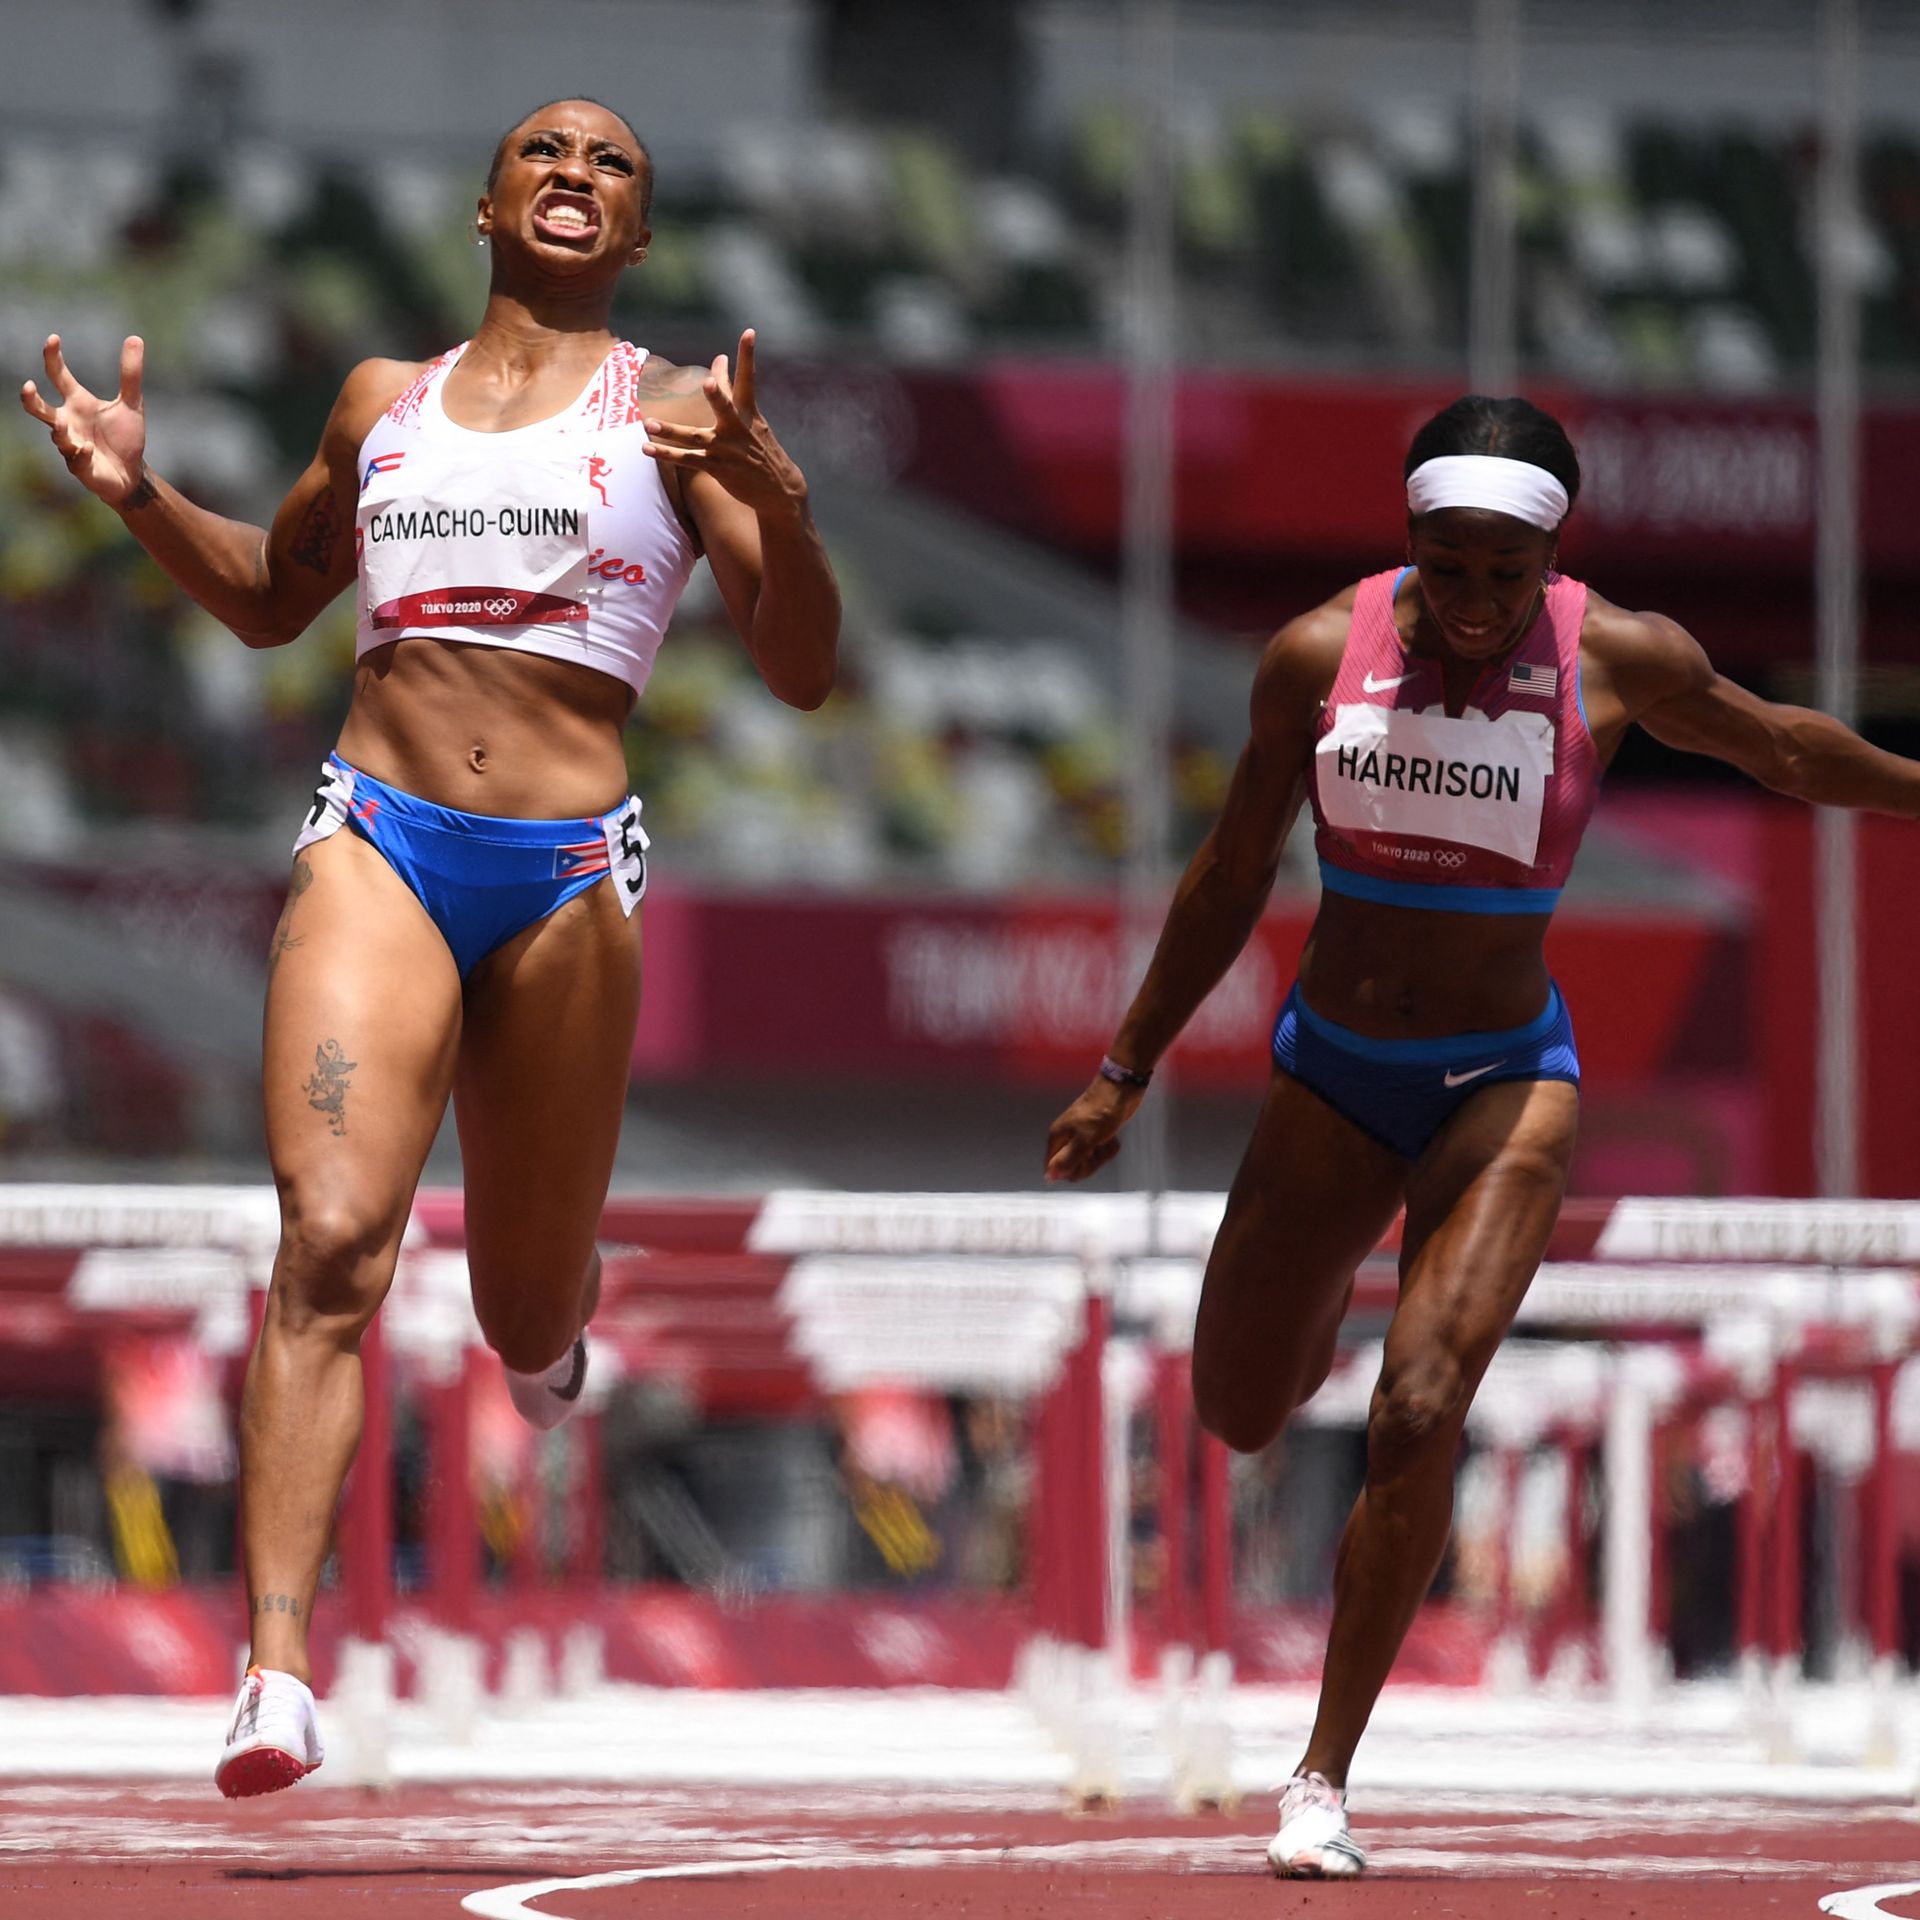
<point x="103" y="442"/>
<point x="1087" y="1135"/>
<point x="739" y="449"/>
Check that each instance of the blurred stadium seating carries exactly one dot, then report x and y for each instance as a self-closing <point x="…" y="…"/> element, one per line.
<point x="1657" y="253"/>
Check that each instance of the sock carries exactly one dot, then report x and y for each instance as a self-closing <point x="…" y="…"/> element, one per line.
<point x="555" y="1378"/>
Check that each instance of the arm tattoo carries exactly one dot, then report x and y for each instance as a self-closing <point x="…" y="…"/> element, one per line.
<point x="314" y="539"/>
<point x="283" y="935"/>
<point x="326" y="1091"/>
<point x="288" y="1603"/>
<point x="144" y="492"/>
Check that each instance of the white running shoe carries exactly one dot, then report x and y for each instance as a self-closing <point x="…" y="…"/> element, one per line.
<point x="274" y="1739"/>
<point x="1313" y="1842"/>
<point x="543" y="1400"/>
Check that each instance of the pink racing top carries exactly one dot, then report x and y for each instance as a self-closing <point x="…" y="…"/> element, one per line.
<point x="1479" y="813"/>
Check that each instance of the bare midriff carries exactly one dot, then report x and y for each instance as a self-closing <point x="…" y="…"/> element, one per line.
<point x="488" y="730"/>
<point x="1404" y="973"/>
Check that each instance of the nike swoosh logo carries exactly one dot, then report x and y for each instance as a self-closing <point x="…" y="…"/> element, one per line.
<point x="1460" y="1079"/>
<point x="578" y="1377"/>
<point x="1382" y="686"/>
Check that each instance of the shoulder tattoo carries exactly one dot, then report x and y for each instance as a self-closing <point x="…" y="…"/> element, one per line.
<point x="662" y="380"/>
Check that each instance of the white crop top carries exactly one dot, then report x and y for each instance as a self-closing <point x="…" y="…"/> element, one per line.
<point x="555" y="538"/>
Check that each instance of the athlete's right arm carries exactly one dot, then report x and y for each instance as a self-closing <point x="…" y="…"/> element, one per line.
<point x="266" y="585"/>
<point x="1224" y="890"/>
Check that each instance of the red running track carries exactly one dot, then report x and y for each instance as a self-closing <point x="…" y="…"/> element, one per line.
<point x="86" y="1852"/>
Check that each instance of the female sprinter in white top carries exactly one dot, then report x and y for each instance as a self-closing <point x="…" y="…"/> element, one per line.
<point x="520" y="516"/>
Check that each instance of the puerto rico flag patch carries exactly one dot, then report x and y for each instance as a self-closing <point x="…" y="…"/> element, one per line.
<point x="583" y="856"/>
<point x="1541" y="682"/>
<point x="381" y="463"/>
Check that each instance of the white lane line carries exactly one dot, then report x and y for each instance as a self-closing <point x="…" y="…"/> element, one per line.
<point x="1214" y="1854"/>
<point x="510" y="1903"/>
<point x="1863" y="1903"/>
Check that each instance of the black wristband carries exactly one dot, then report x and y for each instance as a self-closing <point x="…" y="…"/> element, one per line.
<point x="1111" y="1069"/>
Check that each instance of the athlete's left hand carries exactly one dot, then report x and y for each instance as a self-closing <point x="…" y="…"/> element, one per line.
<point x="1087" y="1135"/>
<point x="739" y="450"/>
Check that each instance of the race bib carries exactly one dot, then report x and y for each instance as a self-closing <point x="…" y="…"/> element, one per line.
<point x="446" y="543"/>
<point x="627" y="845"/>
<point x="1471" y="781"/>
<point x="332" y="801"/>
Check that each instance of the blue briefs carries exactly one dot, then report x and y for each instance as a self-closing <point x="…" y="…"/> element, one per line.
<point x="1404" y="1091"/>
<point x="482" y="879"/>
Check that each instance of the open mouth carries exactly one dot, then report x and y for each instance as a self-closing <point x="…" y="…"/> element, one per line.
<point x="567" y="218"/>
<point x="1471" y="635"/>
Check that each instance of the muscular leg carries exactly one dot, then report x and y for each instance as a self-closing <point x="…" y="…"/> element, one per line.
<point x="538" y="1093"/>
<point x="1310" y="1202"/>
<point x="1481" y="1204"/>
<point x="363" y="1015"/>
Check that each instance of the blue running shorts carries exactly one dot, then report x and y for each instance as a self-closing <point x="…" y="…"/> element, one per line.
<point x="1404" y="1091"/>
<point x="482" y="879"/>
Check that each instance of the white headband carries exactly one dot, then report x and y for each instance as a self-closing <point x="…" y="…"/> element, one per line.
<point x="1513" y="487"/>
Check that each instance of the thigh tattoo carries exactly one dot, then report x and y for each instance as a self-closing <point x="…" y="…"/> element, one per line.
<point x="284" y="935"/>
<point x="326" y="1090"/>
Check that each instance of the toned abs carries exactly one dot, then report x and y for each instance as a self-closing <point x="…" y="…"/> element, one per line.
<point x="488" y="730"/>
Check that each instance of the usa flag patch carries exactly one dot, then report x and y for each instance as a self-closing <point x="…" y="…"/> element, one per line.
<point x="1538" y="681"/>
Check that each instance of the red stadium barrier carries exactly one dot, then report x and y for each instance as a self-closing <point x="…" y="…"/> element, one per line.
<point x="704" y="1293"/>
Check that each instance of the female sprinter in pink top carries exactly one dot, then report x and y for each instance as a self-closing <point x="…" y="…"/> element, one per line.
<point x="1448" y="721"/>
<point x="519" y="516"/>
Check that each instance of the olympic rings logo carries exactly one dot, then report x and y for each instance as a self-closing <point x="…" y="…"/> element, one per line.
<point x="499" y="609"/>
<point x="1451" y="858"/>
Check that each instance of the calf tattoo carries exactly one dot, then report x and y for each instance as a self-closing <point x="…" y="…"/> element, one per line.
<point x="287" y="1603"/>
<point x="326" y="1091"/>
